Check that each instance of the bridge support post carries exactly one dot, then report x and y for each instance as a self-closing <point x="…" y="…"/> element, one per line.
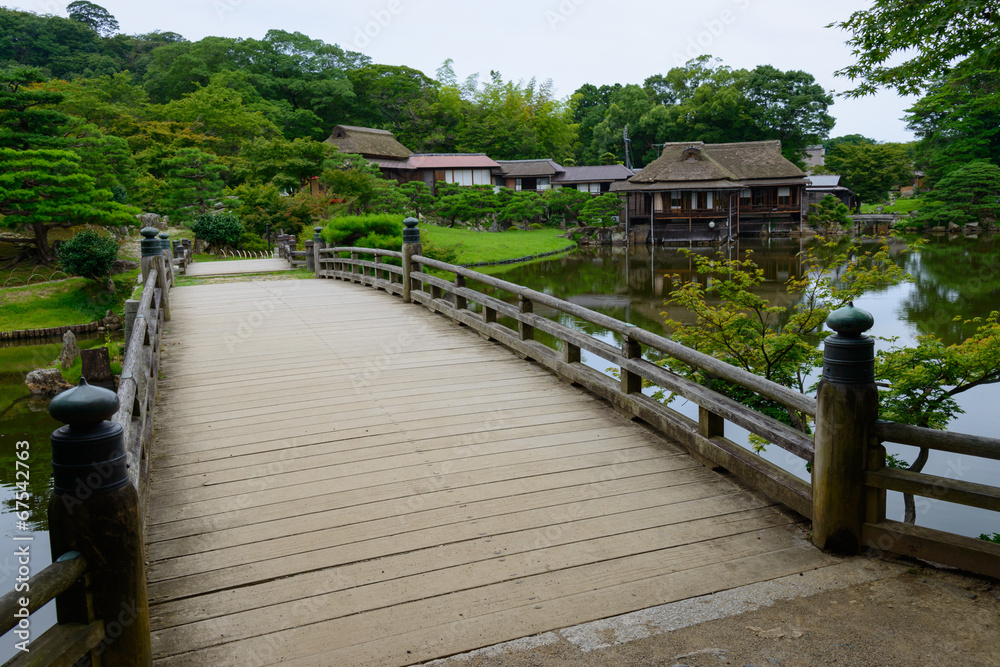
<point x="318" y="244"/>
<point x="847" y="407"/>
<point x="311" y="256"/>
<point x="168" y="257"/>
<point x="94" y="509"/>
<point x="411" y="247"/>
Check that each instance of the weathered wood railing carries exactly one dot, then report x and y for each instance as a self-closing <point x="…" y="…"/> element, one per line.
<point x="96" y="514"/>
<point x="406" y="274"/>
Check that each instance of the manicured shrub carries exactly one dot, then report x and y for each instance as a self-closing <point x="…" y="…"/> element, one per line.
<point x="222" y="230"/>
<point x="90" y="255"/>
<point x="252" y="243"/>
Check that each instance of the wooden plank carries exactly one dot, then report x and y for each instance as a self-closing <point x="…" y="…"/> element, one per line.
<point x="60" y="646"/>
<point x="45" y="585"/>
<point x="944" y="441"/>
<point x="956" y="491"/>
<point x="978" y="556"/>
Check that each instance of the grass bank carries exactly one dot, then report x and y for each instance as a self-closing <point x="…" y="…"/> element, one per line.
<point x="56" y="304"/>
<point x="899" y="207"/>
<point x="470" y="247"/>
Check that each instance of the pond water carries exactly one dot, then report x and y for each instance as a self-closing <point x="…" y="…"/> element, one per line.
<point x="26" y="419"/>
<point x="953" y="278"/>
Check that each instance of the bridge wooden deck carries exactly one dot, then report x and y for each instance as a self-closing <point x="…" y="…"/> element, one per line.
<point x="341" y="479"/>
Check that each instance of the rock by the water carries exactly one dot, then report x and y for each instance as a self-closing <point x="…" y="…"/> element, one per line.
<point x="952" y="227"/>
<point x="46" y="382"/>
<point x="123" y="265"/>
<point x="70" y="350"/>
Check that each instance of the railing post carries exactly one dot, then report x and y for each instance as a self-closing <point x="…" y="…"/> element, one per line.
<point x="94" y="509"/>
<point x="411" y="247"/>
<point x="846" y="410"/>
<point x="318" y="244"/>
<point x="710" y="424"/>
<point x="525" y="307"/>
<point x="631" y="383"/>
<point x="570" y="353"/>
<point x="152" y="258"/>
<point x="131" y="310"/>
<point x="461" y="303"/>
<point x="311" y="256"/>
<point x="168" y="257"/>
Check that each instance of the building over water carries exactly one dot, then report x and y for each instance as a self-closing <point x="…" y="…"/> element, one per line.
<point x="704" y="193"/>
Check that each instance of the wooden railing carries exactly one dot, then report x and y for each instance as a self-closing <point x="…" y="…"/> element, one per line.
<point x="96" y="530"/>
<point x="408" y="274"/>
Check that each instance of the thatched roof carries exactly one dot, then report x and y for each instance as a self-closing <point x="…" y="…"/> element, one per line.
<point x="683" y="164"/>
<point x="368" y="142"/>
<point x="529" y="168"/>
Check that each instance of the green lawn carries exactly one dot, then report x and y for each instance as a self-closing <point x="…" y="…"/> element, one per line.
<point x="473" y="247"/>
<point x="900" y="206"/>
<point x="56" y="304"/>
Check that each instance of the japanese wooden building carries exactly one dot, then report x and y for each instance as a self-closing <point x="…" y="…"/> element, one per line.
<point x="705" y="193"/>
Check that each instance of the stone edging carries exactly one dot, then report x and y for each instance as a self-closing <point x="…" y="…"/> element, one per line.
<point x="519" y="259"/>
<point x="23" y="334"/>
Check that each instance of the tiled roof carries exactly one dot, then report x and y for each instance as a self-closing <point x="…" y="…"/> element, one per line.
<point x="594" y="174"/>
<point x="451" y="161"/>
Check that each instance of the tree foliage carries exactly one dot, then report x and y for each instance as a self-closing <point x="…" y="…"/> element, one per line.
<point x="41" y="190"/>
<point x="929" y="37"/>
<point x="193" y="183"/>
<point x="968" y="195"/>
<point x="221" y="229"/>
<point x="830" y="212"/>
<point x="93" y="16"/>
<point x="871" y="169"/>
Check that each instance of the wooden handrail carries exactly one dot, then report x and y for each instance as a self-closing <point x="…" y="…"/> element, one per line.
<point x="703" y="438"/>
<point x="54" y="580"/>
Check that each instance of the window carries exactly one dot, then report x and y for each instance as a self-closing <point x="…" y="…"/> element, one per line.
<point x="745" y="197"/>
<point x="589" y="188"/>
<point x="675" y="199"/>
<point x="468" y="176"/>
<point x="784" y="196"/>
<point x="702" y="202"/>
<point x="544" y="183"/>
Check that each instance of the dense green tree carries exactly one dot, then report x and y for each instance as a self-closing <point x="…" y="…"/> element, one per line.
<point x="903" y="45"/>
<point x="45" y="189"/>
<point x="871" y="169"/>
<point x="61" y="47"/>
<point x="227" y="109"/>
<point x="26" y="117"/>
<point x="419" y="197"/>
<point x="389" y="96"/>
<point x="193" y="183"/>
<point x="956" y="121"/>
<point x="588" y="105"/>
<point x="968" y="195"/>
<point x="221" y="229"/>
<point x="286" y="164"/>
<point x="829" y="213"/>
<point x="564" y="205"/>
<point x="601" y="210"/>
<point x="519" y="207"/>
<point x="179" y="68"/>
<point x="93" y="16"/>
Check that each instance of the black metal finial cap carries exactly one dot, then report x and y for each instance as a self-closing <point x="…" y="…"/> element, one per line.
<point x="411" y="234"/>
<point x="88" y="455"/>
<point x="849" y="321"/>
<point x="317" y="229"/>
<point x="84" y="406"/>
<point x="149" y="232"/>
<point x="164" y="235"/>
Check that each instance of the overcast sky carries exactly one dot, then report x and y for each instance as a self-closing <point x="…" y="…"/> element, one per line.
<point x="572" y="42"/>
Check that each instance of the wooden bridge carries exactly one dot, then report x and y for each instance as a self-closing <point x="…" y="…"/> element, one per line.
<point x="340" y="476"/>
<point x="336" y="490"/>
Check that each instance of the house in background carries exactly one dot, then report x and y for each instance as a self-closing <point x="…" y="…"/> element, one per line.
<point x="458" y="168"/>
<point x="533" y="175"/>
<point x="821" y="186"/>
<point x="815" y="157"/>
<point x="595" y="180"/>
<point x="541" y="175"/>
<point x="697" y="192"/>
